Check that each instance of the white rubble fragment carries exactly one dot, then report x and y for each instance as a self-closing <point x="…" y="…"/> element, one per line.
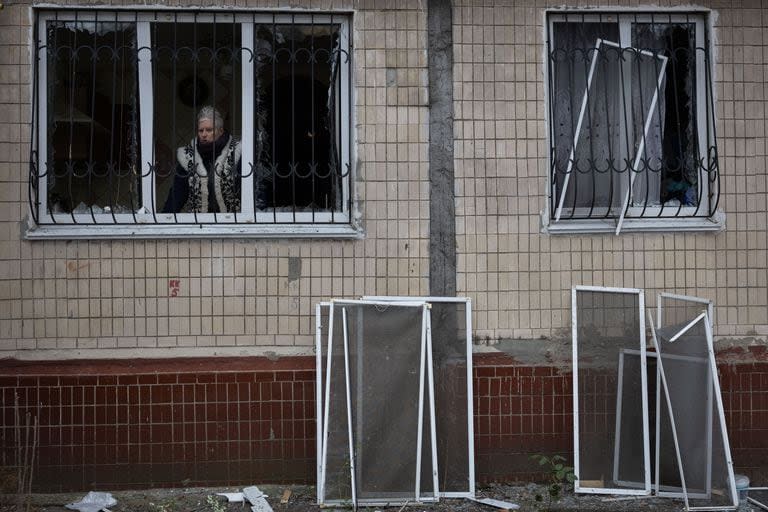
<point x="93" y="502"/>
<point x="496" y="503"/>
<point x="232" y="497"/>
<point x="254" y="495"/>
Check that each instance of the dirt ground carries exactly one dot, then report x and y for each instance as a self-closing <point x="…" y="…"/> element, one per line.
<point x="302" y="499"/>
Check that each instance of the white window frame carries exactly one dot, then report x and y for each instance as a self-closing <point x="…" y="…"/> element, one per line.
<point x="637" y="218"/>
<point x="145" y="224"/>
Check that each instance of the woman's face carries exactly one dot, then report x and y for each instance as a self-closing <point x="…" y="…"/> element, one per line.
<point x="205" y="132"/>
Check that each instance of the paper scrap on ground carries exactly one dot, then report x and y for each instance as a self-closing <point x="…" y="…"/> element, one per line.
<point x="496" y="503"/>
<point x="93" y="502"/>
<point x="232" y="497"/>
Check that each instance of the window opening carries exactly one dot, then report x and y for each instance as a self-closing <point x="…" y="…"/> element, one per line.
<point x="631" y="118"/>
<point x="123" y="98"/>
<point x="93" y="155"/>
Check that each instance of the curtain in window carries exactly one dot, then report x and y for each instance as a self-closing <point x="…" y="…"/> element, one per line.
<point x="607" y="125"/>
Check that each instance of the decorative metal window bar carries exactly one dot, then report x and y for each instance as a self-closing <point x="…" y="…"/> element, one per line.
<point x="631" y="116"/>
<point x="120" y="95"/>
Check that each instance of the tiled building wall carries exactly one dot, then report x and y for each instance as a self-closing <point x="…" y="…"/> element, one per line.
<point x="61" y="299"/>
<point x="518" y="277"/>
<point x="107" y="298"/>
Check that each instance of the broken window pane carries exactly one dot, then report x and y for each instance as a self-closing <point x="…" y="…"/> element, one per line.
<point x="298" y="92"/>
<point x="387" y="366"/>
<point x="92" y="128"/>
<point x="142" y="115"/>
<point x="587" y="134"/>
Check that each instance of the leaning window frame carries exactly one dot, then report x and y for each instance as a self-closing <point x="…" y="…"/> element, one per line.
<point x="641" y="218"/>
<point x="147" y="222"/>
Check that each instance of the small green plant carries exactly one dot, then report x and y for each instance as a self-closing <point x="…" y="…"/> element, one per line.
<point x="559" y="475"/>
<point x="215" y="504"/>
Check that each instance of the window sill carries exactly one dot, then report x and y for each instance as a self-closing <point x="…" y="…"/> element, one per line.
<point x="657" y="225"/>
<point x="137" y="231"/>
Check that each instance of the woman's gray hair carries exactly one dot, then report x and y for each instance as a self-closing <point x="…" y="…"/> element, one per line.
<point x="208" y="112"/>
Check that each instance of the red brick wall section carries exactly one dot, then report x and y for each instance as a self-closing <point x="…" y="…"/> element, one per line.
<point x="139" y="424"/>
<point x="191" y="423"/>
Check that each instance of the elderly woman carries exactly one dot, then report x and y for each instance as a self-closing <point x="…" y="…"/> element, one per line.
<point x="207" y="170"/>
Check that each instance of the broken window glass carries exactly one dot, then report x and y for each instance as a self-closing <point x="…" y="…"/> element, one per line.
<point x="387" y="411"/>
<point x="297" y="90"/>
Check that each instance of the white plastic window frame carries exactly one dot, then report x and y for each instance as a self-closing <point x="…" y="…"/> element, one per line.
<point x="145" y="224"/>
<point x="637" y="218"/>
<point x="646" y="484"/>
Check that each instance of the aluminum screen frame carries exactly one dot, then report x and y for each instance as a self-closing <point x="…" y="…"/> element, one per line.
<point x="663" y="297"/>
<point x="663" y="490"/>
<point x="714" y="384"/>
<point x="577" y="460"/>
<point x="322" y="309"/>
<point x="762" y="500"/>
<point x="425" y="382"/>
<point x="619" y="409"/>
<point x="348" y="450"/>
<point x="467" y="302"/>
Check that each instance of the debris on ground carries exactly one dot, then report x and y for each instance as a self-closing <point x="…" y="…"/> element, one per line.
<point x="257" y="499"/>
<point x="93" y="502"/>
<point x="503" y="505"/>
<point x="529" y="496"/>
<point x="232" y="497"/>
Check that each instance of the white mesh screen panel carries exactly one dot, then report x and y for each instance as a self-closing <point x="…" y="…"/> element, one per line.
<point x="611" y="415"/>
<point x="692" y="393"/>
